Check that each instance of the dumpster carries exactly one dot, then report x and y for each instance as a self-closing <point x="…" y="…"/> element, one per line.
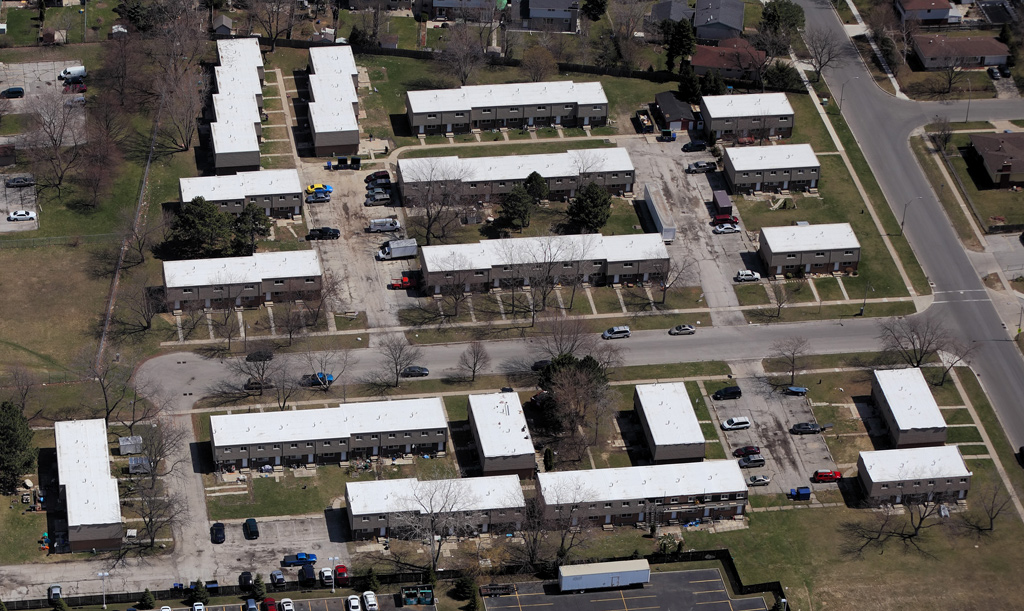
<point x="802" y="493"/>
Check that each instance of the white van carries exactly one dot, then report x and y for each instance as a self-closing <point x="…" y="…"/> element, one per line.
<point x="72" y="71"/>
<point x="381" y="225"/>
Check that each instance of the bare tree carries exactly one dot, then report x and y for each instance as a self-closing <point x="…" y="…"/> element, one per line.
<point x="440" y="508"/>
<point x="225" y="322"/>
<point x="396" y="353"/>
<point x="943" y="134"/>
<point x="565" y="501"/>
<point x="274" y="17"/>
<point x="952" y="354"/>
<point x="5" y="108"/>
<point x="582" y="401"/>
<point x="285" y="386"/>
<point x="375" y="21"/>
<point x="289" y="320"/>
<point x="987" y="504"/>
<point x="790" y="351"/>
<point x="322" y="357"/>
<point x="825" y="47"/>
<point x="261" y="371"/>
<point x="186" y="93"/>
<point x="565" y="335"/>
<point x="113" y="372"/>
<point x="903" y="33"/>
<point x="474" y="359"/>
<point x="462" y="53"/>
<point x="782" y="293"/>
<point x="137" y="305"/>
<point x="434" y="189"/>
<point x="161" y="447"/>
<point x="539" y="63"/>
<point x="121" y="69"/>
<point x="914" y="340"/>
<point x="159" y="511"/>
<point x="59" y="137"/>
<point x="951" y="73"/>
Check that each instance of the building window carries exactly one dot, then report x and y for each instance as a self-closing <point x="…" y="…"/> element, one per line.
<point x="625" y="503"/>
<point x="277" y="446"/>
<point x="899" y="484"/>
<point x="486" y="111"/>
<point x="365" y="519"/>
<point x="916" y="484"/>
<point x="607" y="505"/>
<point x="507" y="268"/>
<point x="675" y="499"/>
<point x="541" y="108"/>
<point x="250" y="287"/>
<point x="448" y="275"/>
<point x="848" y="253"/>
<point x="627" y="265"/>
<point x="598" y="108"/>
<point x="756" y="120"/>
<point x="294" y="445"/>
<point x="963" y="480"/>
<point x="310" y="280"/>
<point x="431" y="116"/>
<point x="278" y="282"/>
<point x="615" y="175"/>
<point x="407" y="435"/>
<point x="359" y="437"/>
<point x="423" y="434"/>
<point x="514" y="109"/>
<point x="227" y="450"/>
<point x="460" y="115"/>
<point x="252" y="200"/>
<point x="931" y="482"/>
<point x="472" y="185"/>
<point x="773" y="173"/>
<point x="819" y="254"/>
<point x="783" y="119"/>
<point x="328" y="454"/>
<point x="885" y="486"/>
<point x="844" y="263"/>
<point x="501" y="184"/>
<point x="723" y="497"/>
<point x="791" y="256"/>
<point x="327" y="444"/>
<point x="567" y="265"/>
<point x="626" y="515"/>
<point x="259" y="448"/>
<point x="266" y="198"/>
<point x="478" y="274"/>
<point x="790" y="267"/>
<point x="218" y="289"/>
<point x="243" y="449"/>
<point x="186" y="291"/>
<point x="391" y="435"/>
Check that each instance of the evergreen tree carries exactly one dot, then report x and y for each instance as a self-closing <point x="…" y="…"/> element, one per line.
<point x="60" y="605"/>
<point x="372" y="583"/>
<point x="689" y="85"/>
<point x="679" y="41"/>
<point x="515" y="208"/>
<point x="259" y="588"/>
<point x="712" y="84"/>
<point x="591" y="208"/>
<point x="465" y="587"/>
<point x="536" y="186"/>
<point x="594" y="9"/>
<point x="250" y="225"/>
<point x="18" y="456"/>
<point x="199" y="593"/>
<point x="549" y="459"/>
<point x="781" y="76"/>
<point x="147" y="601"/>
<point x="198" y="231"/>
<point x="782" y="15"/>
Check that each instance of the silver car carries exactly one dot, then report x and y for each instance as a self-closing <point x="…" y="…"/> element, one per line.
<point x="682" y="330"/>
<point x="759" y="480"/>
<point x="21" y="215"/>
<point x="726" y="228"/>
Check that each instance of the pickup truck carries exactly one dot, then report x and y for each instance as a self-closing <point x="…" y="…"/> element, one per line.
<point x="299" y="559"/>
<point x="319" y="379"/>
<point x="745" y="275"/>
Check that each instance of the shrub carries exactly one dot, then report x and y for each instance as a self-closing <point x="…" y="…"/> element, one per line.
<point x="147" y="601"/>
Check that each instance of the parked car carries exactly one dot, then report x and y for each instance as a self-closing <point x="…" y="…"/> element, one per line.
<point x="76" y="88"/>
<point x="254" y="384"/>
<point x="326" y="579"/>
<point x="319" y="187"/>
<point x="21" y="215"/>
<point x="370" y="601"/>
<point x="323" y="233"/>
<point x="745" y="275"/>
<point x="415" y="371"/>
<point x="276" y="578"/>
<point x="805" y="428"/>
<point x="300" y="559"/>
<point x="746" y="451"/>
<point x="700" y="167"/>
<point x="377" y="199"/>
<point x="374" y="191"/>
<point x="682" y="330"/>
<point x="994" y="73"/>
<point x="352" y="603"/>
<point x="217" y="532"/>
<point x="736" y="423"/>
<point x="729" y="392"/>
<point x="13" y="92"/>
<point x="53" y="593"/>
<point x="825" y="475"/>
<point x="759" y="480"/>
<point x="695" y="145"/>
<point x="796" y="391"/>
<point x="538" y="365"/>
<point x="320" y="379"/>
<point x="198" y="607"/>
<point x="245" y="580"/>
<point x="269" y="604"/>
<point x="378" y="175"/>
<point x="723" y="219"/>
<point x="382" y="183"/>
<point x="307" y="575"/>
<point x="318" y="198"/>
<point x="725" y="228"/>
<point x="341" y="575"/>
<point x="616" y="332"/>
<point x="250" y="529"/>
<point x="260" y="356"/>
<point x="20" y="181"/>
<point x="1004" y="71"/>
<point x="287" y="604"/>
<point x="751" y="462"/>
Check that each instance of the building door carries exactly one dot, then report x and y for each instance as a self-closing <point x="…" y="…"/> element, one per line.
<point x="707" y="511"/>
<point x="608" y="519"/>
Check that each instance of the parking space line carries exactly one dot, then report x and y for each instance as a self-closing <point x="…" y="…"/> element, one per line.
<point x="710" y="591"/>
<point x="706" y="581"/>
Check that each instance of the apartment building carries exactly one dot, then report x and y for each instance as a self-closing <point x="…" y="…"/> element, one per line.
<point x="484" y="179"/>
<point x="242" y="281"/>
<point x="513" y="106"/>
<point x="787" y="167"/>
<point x="236" y="126"/>
<point x="809" y="249"/>
<point x="666" y="494"/>
<point x="913" y="475"/>
<point x="669" y="422"/>
<point x="517" y="262"/>
<point x="334" y="102"/>
<point x="88" y="491"/>
<point x="746" y="118"/>
<point x="329" y="435"/>
<point x="502" y="438"/>
<point x="906" y="402"/>
<point x="468" y="506"/>
<point x="278" y="192"/>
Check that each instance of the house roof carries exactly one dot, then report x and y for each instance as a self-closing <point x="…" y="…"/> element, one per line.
<point x="999" y="150"/>
<point x="237" y="270"/>
<point x="515" y="167"/>
<point x="234" y="105"/>
<point x="500" y="425"/>
<point x="746" y="105"/>
<point x="782" y="157"/>
<point x="438" y="496"/>
<point x="239" y="186"/>
<point x="83" y="468"/>
<point x="669" y="414"/>
<point x="910" y="399"/>
<point x="672" y="10"/>
<point x="730" y="54"/>
<point x="334" y="99"/>
<point x="672" y="108"/>
<point x="554" y="5"/>
<point x="479" y="96"/>
<point x="914" y="463"/>
<point x="925" y="5"/>
<point x="797" y="238"/>
<point x="220" y="20"/>
<point x="724" y="12"/>
<point x="646" y="482"/>
<point x="937" y="46"/>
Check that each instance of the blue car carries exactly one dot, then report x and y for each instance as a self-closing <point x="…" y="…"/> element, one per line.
<point x="299" y="559"/>
<point x="797" y="391"/>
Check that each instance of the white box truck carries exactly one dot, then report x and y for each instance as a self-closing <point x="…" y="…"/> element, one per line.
<point x="398" y="249"/>
<point x="621" y="574"/>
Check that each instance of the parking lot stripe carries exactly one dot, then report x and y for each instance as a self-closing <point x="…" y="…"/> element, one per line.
<point x="705" y="580"/>
<point x="710" y="591"/>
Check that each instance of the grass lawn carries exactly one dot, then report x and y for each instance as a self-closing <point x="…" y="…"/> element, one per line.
<point x="20" y="532"/>
<point x="14" y="124"/>
<point x="993" y="206"/>
<point x="606" y="300"/>
<point x="835" y="387"/>
<point x="796" y="314"/>
<point x="992" y="426"/>
<point x="953" y="210"/>
<point x="824" y="361"/>
<point x="751" y="294"/>
<point x="98" y="17"/>
<point x="457" y="407"/>
<point x="841" y="416"/>
<point x="521" y="148"/>
<point x="670" y="370"/>
<point x="828" y="289"/>
<point x="623" y="219"/>
<point x="291" y="496"/>
<point x="22" y="26"/>
<point x="752" y="13"/>
<point x="921" y="85"/>
<point x="809" y="127"/>
<point x="962" y="434"/>
<point x="983" y="126"/>
<point x="946" y="394"/>
<point x="957" y="416"/>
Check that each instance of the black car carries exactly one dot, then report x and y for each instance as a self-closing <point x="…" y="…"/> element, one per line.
<point x="378" y="175"/>
<point x="19" y="181"/>
<point x="1004" y="70"/>
<point x="323" y="233"/>
<point x="217" y="533"/>
<point x="383" y="183"/>
<point x="245" y="580"/>
<point x="13" y="92"/>
<point x="805" y="428"/>
<point x="415" y="371"/>
<point x="250" y="529"/>
<point x="259" y="356"/>
<point x="729" y="392"/>
<point x="695" y="145"/>
<point x="538" y="365"/>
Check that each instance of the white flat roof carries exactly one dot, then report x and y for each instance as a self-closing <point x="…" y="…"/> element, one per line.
<point x="479" y="96"/>
<point x="235" y="80"/>
<point x="337" y="59"/>
<point x="83" y="467"/>
<point x="234" y="130"/>
<point x="669" y="413"/>
<point x="500" y="425"/>
<point x="239" y="186"/>
<point x="411" y="495"/>
<point x="914" y="463"/>
<point x="782" y="157"/>
<point x="328" y="423"/>
<point x="792" y="238"/>
<point x="747" y="105"/>
<point x="516" y="167"/>
<point x="235" y="270"/>
<point x="488" y="253"/>
<point x="652" y="481"/>
<point x="240" y="52"/>
<point x="333" y="90"/>
<point x="910" y="399"/>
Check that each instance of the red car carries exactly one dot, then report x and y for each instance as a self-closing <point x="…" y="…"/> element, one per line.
<point x="76" y="88"/>
<point x="722" y="219"/>
<point x="746" y="451"/>
<point x="341" y="575"/>
<point x="269" y="604"/>
<point x="824" y="475"/>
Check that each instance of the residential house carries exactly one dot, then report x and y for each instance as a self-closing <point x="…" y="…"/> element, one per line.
<point x="734" y="58"/>
<point x="242" y="281"/>
<point x="663" y="494"/>
<point x="223" y="26"/>
<point x="669" y="422"/>
<point x="937" y="51"/>
<point x="914" y="475"/>
<point x="236" y="126"/>
<point x="502" y="438"/>
<point x="88" y="491"/>
<point x="809" y="249"/>
<point x="551" y="15"/>
<point x="351" y="431"/>
<point x="771" y="168"/>
<point x="514" y="106"/>
<point x="1002" y="156"/>
<point x="718" y="19"/>
<point x="486" y="178"/>
<point x="468" y="10"/>
<point x="910" y="412"/>
<point x="278" y="192"/>
<point x="671" y="112"/>
<point x="513" y="263"/>
<point x="746" y="118"/>
<point x="466" y="506"/>
<point x="670" y="10"/>
<point x="927" y="12"/>
<point x="334" y="103"/>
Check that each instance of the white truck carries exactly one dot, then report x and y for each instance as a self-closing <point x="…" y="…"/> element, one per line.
<point x="745" y="275"/>
<point x="398" y="249"/>
<point x="72" y="71"/>
<point x="621" y="574"/>
<point x="381" y="225"/>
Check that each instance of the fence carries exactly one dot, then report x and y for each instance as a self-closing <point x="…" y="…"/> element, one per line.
<point x="67" y="240"/>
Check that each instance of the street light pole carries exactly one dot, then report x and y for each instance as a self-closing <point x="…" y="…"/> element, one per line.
<point x="842" y="91"/>
<point x="103" y="575"/>
<point x="865" y="302"/>
<point x="905" y="206"/>
<point x="330" y="565"/>
<point x="967" y="118"/>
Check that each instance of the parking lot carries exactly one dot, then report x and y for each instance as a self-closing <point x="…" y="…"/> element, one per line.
<point x="790" y="459"/>
<point x="20" y="198"/>
<point x="334" y="603"/>
<point x="678" y="591"/>
<point x="35" y="77"/>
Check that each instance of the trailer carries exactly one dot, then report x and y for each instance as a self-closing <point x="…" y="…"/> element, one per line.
<point x="644" y="121"/>
<point x="619" y="574"/>
<point x="656" y="207"/>
<point x="398" y="249"/>
<point x="722" y="202"/>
